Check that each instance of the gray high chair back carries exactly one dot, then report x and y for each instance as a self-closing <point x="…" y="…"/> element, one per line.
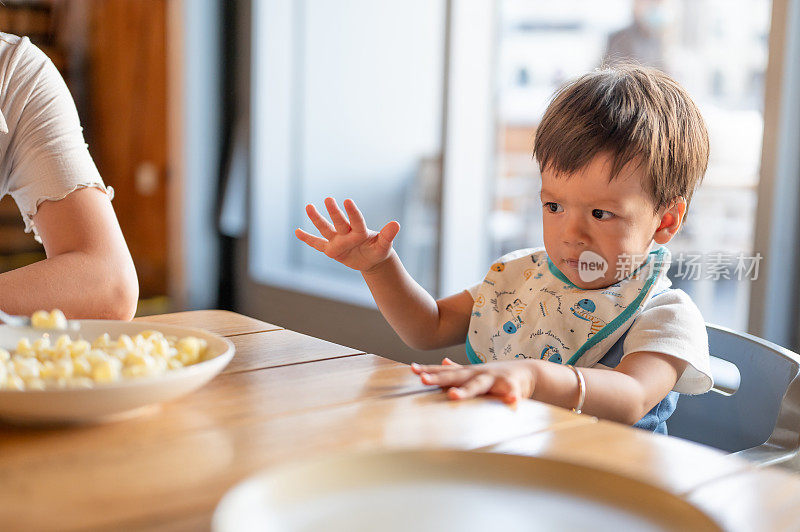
<point x="754" y="408"/>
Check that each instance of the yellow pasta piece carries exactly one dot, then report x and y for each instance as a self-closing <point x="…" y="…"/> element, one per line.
<point x="81" y="367"/>
<point x="106" y="370"/>
<point x="14" y="382"/>
<point x="58" y="320"/>
<point x="26" y="368"/>
<point x="102" y="341"/>
<point x="40" y="319"/>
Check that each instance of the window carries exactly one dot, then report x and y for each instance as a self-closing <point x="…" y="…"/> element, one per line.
<point x="363" y="99"/>
<point x="347" y="103"/>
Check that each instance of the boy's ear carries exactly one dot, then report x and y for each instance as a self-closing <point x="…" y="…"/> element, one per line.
<point x="671" y="220"/>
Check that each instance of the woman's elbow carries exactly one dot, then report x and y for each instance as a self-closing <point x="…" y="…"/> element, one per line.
<point x="122" y="296"/>
<point x="128" y="299"/>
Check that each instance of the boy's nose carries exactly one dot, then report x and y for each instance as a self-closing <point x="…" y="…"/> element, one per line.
<point x="574" y="232"/>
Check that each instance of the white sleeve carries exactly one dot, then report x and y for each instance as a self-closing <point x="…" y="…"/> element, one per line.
<point x="48" y="155"/>
<point x="671" y="324"/>
<point x="473" y="290"/>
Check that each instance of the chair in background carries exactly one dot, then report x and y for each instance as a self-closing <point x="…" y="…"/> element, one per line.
<point x="754" y="408"/>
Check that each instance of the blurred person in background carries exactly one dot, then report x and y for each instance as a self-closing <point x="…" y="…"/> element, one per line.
<point x="644" y="41"/>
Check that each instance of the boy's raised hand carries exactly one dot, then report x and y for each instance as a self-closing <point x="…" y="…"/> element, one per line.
<point x="349" y="241"/>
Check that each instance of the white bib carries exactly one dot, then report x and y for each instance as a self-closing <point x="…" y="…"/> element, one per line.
<point x="527" y="308"/>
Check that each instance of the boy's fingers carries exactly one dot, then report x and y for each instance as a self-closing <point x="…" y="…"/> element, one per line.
<point x="505" y="389"/>
<point x="356" y="218"/>
<point x="417" y="368"/>
<point x="478" y="385"/>
<point x="447" y="362"/>
<point x="510" y="399"/>
<point x="314" y="241"/>
<point x="512" y="396"/>
<point x="515" y="392"/>
<point x="337" y="216"/>
<point x="452" y="378"/>
<point x="387" y="234"/>
<point x="323" y="226"/>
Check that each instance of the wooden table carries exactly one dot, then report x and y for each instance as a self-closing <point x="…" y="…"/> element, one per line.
<point x="286" y="396"/>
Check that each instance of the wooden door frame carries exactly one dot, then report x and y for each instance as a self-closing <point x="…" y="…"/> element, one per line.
<point x="176" y="260"/>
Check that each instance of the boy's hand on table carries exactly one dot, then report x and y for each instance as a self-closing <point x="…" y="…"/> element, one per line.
<point x="349" y="241"/>
<point x="509" y="381"/>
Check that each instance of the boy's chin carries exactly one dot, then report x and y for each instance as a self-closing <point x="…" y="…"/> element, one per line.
<point x="594" y="284"/>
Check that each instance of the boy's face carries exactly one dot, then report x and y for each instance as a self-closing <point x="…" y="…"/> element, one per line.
<point x="587" y="217"/>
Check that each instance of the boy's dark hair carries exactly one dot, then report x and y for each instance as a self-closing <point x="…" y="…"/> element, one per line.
<point x="635" y="114"/>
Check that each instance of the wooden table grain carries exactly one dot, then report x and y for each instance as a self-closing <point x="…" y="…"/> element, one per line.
<point x="287" y="396"/>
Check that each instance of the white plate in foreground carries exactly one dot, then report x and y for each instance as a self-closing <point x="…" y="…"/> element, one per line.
<point x="449" y="490"/>
<point x="109" y="401"/>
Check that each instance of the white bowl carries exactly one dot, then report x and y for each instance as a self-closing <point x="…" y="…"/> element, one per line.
<point x="431" y="491"/>
<point x="113" y="400"/>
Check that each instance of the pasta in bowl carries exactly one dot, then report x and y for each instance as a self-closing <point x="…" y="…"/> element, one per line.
<point x="103" y="370"/>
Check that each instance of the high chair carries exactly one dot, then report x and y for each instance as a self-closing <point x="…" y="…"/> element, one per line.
<point x="753" y="409"/>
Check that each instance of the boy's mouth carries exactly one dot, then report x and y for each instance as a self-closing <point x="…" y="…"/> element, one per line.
<point x="589" y="266"/>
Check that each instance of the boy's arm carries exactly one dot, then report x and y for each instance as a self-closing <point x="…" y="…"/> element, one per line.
<point x="419" y="320"/>
<point x="624" y="394"/>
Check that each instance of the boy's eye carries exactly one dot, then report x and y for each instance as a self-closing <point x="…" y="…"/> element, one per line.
<point x="600" y="214"/>
<point x="552" y="206"/>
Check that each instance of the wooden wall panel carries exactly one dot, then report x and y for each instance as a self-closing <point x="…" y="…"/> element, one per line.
<point x="127" y="101"/>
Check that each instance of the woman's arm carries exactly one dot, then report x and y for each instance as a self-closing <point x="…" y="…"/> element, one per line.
<point x="88" y="272"/>
<point x="624" y="394"/>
